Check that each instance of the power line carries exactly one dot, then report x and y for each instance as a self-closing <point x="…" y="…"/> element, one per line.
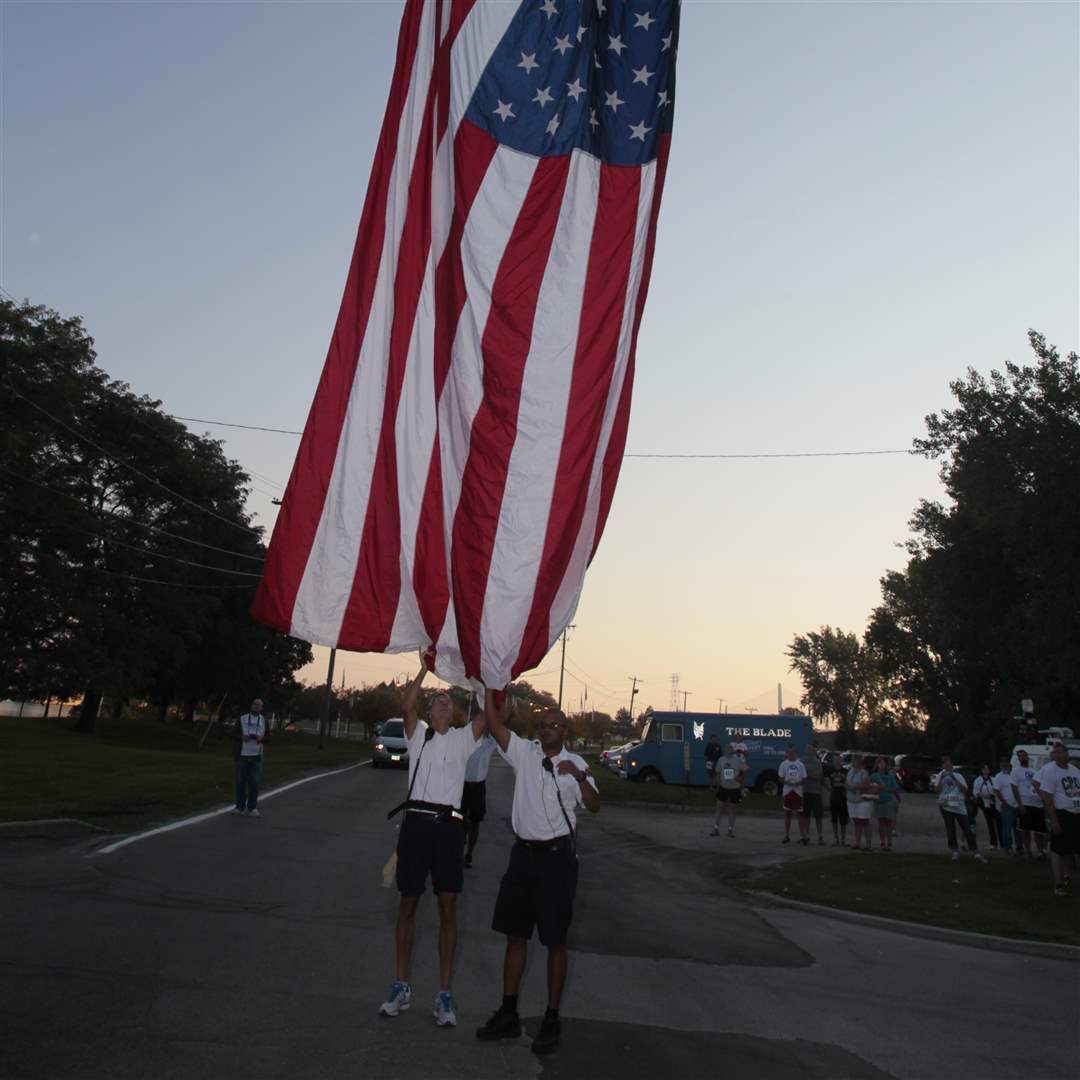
<point x="628" y="453"/>
<point x="198" y="586"/>
<point x="131" y="521"/>
<point x="127" y="465"/>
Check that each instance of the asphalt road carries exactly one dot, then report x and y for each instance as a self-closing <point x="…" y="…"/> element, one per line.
<point x="241" y="948"/>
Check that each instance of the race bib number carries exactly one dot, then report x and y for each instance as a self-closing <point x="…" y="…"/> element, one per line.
<point x="954" y="802"/>
<point x="729" y="774"/>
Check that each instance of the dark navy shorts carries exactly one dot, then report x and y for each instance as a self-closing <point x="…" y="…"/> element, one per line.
<point x="537" y="891"/>
<point x="429" y="846"/>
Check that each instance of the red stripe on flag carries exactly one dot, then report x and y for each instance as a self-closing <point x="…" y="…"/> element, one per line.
<point x="301" y="509"/>
<point x="617" y="442"/>
<point x="603" y="306"/>
<point x="369" y="614"/>
<point x="473" y="151"/>
<point x="505" y="347"/>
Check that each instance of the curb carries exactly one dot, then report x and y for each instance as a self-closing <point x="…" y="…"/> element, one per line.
<point x="50" y="827"/>
<point x="1043" y="949"/>
<point x="682" y="808"/>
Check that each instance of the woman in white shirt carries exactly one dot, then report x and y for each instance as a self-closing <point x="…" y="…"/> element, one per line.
<point x="951" y="790"/>
<point x="983" y="793"/>
<point x="859" y="806"/>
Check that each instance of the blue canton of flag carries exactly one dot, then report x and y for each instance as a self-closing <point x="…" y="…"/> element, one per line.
<point x="594" y="75"/>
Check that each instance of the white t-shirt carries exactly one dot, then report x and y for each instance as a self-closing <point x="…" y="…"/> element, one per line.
<point x="1003" y="785"/>
<point x="476" y="768"/>
<point x="951" y="789"/>
<point x="1062" y="784"/>
<point x="983" y="789"/>
<point x="1022" y="776"/>
<point x="793" y="773"/>
<point x="252" y="724"/>
<point x="535" y="814"/>
<point x="441" y="764"/>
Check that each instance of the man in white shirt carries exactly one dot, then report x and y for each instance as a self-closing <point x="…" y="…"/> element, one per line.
<point x="1059" y="787"/>
<point x="793" y="773"/>
<point x="538" y="888"/>
<point x="474" y="795"/>
<point x="431" y="840"/>
<point x="1008" y="800"/>
<point x="1032" y="813"/>
<point x="251" y="729"/>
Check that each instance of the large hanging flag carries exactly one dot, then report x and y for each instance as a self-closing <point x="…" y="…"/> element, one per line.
<point x="461" y="453"/>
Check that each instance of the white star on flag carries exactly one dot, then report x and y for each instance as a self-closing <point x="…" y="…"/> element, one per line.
<point x="562" y="44"/>
<point x="549" y="8"/>
<point x="637" y="131"/>
<point x="644" y="21"/>
<point x="615" y="44"/>
<point x="581" y="32"/>
<point x="666" y="42"/>
<point x="553" y="125"/>
<point x="504" y="111"/>
<point x="543" y="96"/>
<point x="613" y="100"/>
<point x="593" y="122"/>
<point x="662" y="98"/>
<point x="528" y="62"/>
<point x="642" y="74"/>
<point x="575" y="89"/>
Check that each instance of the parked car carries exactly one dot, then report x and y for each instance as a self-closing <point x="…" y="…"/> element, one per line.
<point x="609" y="757"/>
<point x="915" y="771"/>
<point x="391" y="750"/>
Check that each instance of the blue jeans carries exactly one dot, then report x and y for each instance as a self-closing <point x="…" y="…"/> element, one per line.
<point x="248" y="778"/>
<point x="1007" y="827"/>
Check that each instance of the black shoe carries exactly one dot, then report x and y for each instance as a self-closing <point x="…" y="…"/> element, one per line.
<point x="547" y="1039"/>
<point x="502" y="1025"/>
<point x="468" y="862"/>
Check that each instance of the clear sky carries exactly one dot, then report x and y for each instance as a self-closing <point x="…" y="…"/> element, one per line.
<point x="863" y="199"/>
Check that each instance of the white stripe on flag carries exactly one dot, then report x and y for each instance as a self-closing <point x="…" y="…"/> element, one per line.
<point x="566" y="599"/>
<point x="477" y="39"/>
<point x="534" y="460"/>
<point x="487" y="231"/>
<point x="331" y="566"/>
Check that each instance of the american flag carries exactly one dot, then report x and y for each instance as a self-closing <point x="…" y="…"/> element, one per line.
<point x="462" y="450"/>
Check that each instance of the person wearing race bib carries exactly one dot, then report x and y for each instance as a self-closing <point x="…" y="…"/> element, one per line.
<point x="252" y="733"/>
<point x="860" y="800"/>
<point x="432" y="839"/>
<point x="983" y="793"/>
<point x="951" y="790"/>
<point x="1032" y="812"/>
<point x="1059" y="787"/>
<point x="792" y="772"/>
<point x="1008" y="805"/>
<point x="888" y="799"/>
<point x="730" y="770"/>
<point x="712" y="754"/>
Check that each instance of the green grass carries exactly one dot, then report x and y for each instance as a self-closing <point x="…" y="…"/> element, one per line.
<point x="1010" y="898"/>
<point x="137" y="773"/>
<point x="614" y="790"/>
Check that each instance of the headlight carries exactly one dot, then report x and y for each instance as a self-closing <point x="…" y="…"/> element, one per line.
<point x="379" y="746"/>
<point x="633" y="764"/>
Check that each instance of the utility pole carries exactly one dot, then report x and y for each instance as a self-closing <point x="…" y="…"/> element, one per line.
<point x="720" y="707"/>
<point x="562" y="663"/>
<point x="633" y="694"/>
<point x="324" y="720"/>
<point x="684" y="694"/>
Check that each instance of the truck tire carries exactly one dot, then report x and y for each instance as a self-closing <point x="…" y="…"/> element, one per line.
<point x="651" y="776"/>
<point x="769" y="784"/>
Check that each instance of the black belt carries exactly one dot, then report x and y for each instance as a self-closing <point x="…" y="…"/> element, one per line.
<point x="555" y="844"/>
<point x="438" y="811"/>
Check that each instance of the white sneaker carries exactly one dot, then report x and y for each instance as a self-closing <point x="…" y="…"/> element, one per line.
<point x="254" y="813"/>
<point x="956" y="856"/>
<point x="980" y="857"/>
<point x="444" y="1009"/>
<point x="236" y="811"/>
<point x="398" y="1000"/>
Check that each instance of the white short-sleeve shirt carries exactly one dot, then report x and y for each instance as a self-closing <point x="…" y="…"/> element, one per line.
<point x="476" y="768"/>
<point x="1023" y="775"/>
<point x="1062" y="784"/>
<point x="1003" y="785"/>
<point x="536" y="814"/>
<point x="439" y="766"/>
<point x="793" y="773"/>
<point x="252" y="724"/>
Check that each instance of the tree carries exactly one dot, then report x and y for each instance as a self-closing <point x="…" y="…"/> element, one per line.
<point x="987" y="610"/>
<point x="840" y="678"/>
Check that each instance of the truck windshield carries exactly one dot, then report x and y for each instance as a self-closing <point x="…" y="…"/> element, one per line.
<point x="646" y="730"/>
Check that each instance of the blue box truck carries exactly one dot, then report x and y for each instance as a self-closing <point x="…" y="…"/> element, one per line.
<point x="671" y="741"/>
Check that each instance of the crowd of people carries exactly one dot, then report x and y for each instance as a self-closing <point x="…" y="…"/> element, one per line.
<point x="1025" y="811"/>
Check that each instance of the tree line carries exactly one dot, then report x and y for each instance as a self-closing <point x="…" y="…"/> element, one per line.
<point x="127" y="559"/>
<point x="986" y="611"/>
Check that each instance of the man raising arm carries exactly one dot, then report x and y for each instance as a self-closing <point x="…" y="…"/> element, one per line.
<point x="540" y="883"/>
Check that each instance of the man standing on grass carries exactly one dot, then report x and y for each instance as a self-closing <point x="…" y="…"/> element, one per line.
<point x="1032" y="811"/>
<point x="1008" y="802"/>
<point x="792" y="773"/>
<point x="540" y="884"/>
<point x="730" y="770"/>
<point x="811" y="793"/>
<point x="1059" y="786"/>
<point x="252" y="732"/>
<point x="431" y="840"/>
